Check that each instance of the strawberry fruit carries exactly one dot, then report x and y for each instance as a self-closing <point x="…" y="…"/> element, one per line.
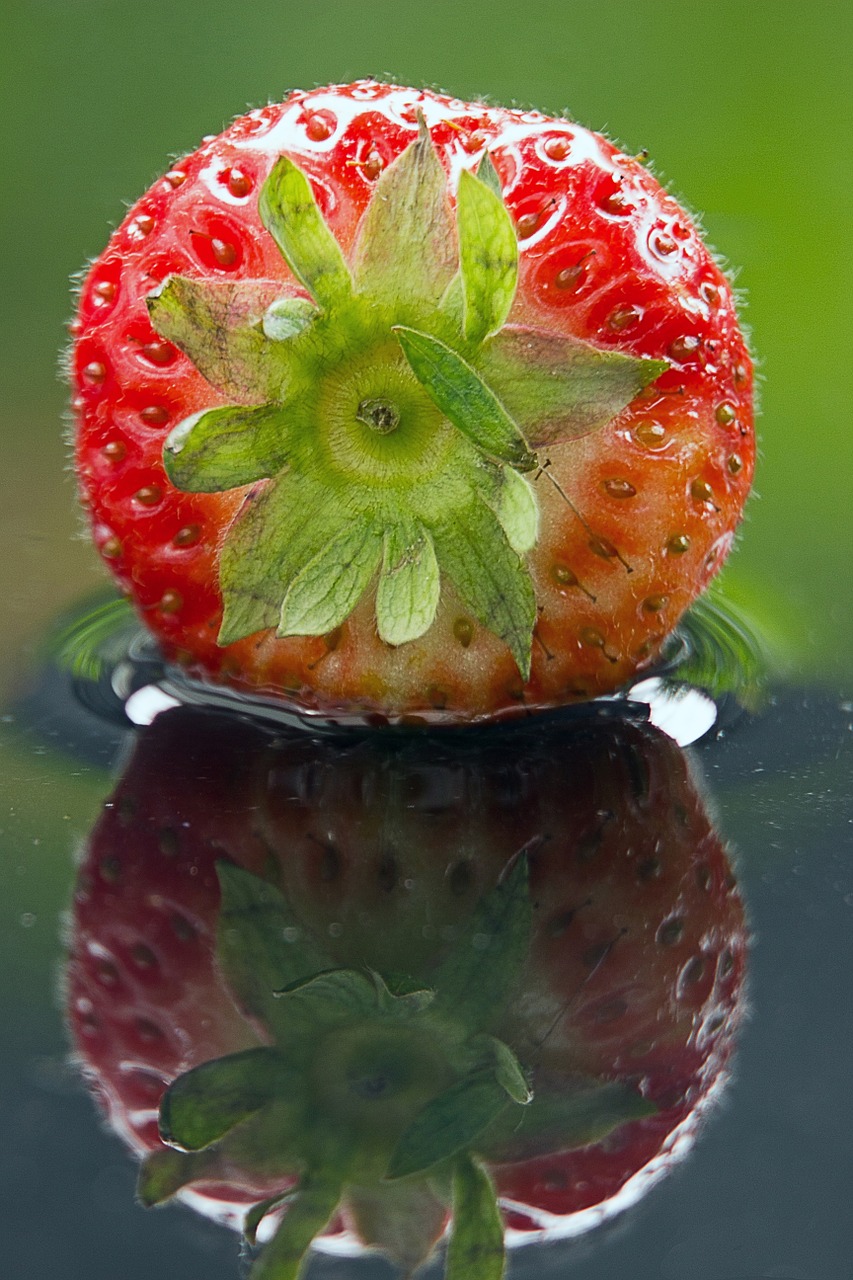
<point x="375" y="985"/>
<point x="393" y="405"/>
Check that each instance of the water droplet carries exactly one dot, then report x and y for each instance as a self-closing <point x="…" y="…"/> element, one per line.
<point x="619" y="488"/>
<point x="27" y="920"/>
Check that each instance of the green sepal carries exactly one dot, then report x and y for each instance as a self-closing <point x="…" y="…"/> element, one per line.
<point x="217" y="324"/>
<point x="406" y="250"/>
<point x="277" y="532"/>
<point x="497" y="1056"/>
<point x="488" y="174"/>
<point x="463" y="397"/>
<point x="220" y="449"/>
<point x="576" y="1116"/>
<point x="329" y="586"/>
<point x="308" y="1212"/>
<point x="327" y="999"/>
<point x="409" y="584"/>
<point x="449" y="1123"/>
<point x="488" y="255"/>
<point x="404" y="1220"/>
<point x="475" y="1250"/>
<point x="560" y="388"/>
<point x="491" y="580"/>
<point x="513" y="501"/>
<point x="290" y="213"/>
<point x="255" y="1216"/>
<point x="288" y="317"/>
<point x="202" y="1105"/>
<point x="477" y="977"/>
<point x="252" y="948"/>
<point x="163" y="1173"/>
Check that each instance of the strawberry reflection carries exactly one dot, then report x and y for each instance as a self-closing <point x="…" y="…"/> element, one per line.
<point x="361" y="987"/>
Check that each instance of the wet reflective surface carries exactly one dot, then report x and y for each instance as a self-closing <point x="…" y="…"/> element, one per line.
<point x="609" y="970"/>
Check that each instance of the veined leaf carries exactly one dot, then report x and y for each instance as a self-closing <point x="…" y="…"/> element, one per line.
<point x="217" y="324"/>
<point x="572" y="1117"/>
<point x="449" y="1123"/>
<point x="475" y="1250"/>
<point x="205" y="1103"/>
<point x="163" y="1173"/>
<point x="464" y="398"/>
<point x="498" y="1056"/>
<point x="308" y="1212"/>
<point x="407" y="246"/>
<point x="488" y="174"/>
<point x="492" y="582"/>
<point x="225" y="448"/>
<point x="291" y="215"/>
<point x="325" y="592"/>
<point x="560" y="388"/>
<point x="278" y="531"/>
<point x="409" y="585"/>
<point x="488" y="254"/>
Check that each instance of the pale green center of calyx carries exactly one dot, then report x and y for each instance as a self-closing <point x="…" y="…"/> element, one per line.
<point x="392" y="415"/>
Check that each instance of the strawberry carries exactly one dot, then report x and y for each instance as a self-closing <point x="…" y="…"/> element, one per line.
<point x="397" y="406"/>
<point x="508" y="966"/>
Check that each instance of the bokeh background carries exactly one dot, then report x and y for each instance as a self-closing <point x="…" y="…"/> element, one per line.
<point x="747" y="112"/>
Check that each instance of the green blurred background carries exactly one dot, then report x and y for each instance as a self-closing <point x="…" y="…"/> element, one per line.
<point x="746" y="111"/>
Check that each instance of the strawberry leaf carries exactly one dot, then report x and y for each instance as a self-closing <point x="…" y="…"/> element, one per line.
<point x="255" y="1216"/>
<point x="404" y="1220"/>
<point x="409" y="584"/>
<point x="325" y="592"/>
<point x="505" y="1065"/>
<point x="291" y="215"/>
<point x="204" y="1104"/>
<point x="406" y="247"/>
<point x="488" y="253"/>
<point x="476" y="979"/>
<point x="491" y="580"/>
<point x="308" y="1212"/>
<point x="255" y="922"/>
<point x="488" y="174"/>
<point x="464" y="398"/>
<point x="574" y="1117"/>
<point x="561" y="388"/>
<point x="218" y="326"/>
<point x="278" y="531"/>
<point x="225" y="448"/>
<point x="514" y="503"/>
<point x="327" y="999"/>
<point x="475" y="1250"/>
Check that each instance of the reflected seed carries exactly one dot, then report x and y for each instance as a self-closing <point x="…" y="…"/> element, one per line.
<point x="701" y="491"/>
<point x="602" y="547"/>
<point x="623" y="318"/>
<point x="651" y="434"/>
<point x="684" y="347"/>
<point x="557" y="148"/>
<point x="175" y="177"/>
<point x="734" y="464"/>
<point x="115" y="451"/>
<point x="224" y="253"/>
<point x="725" y="414"/>
<point x="463" y="630"/>
<point x="678" y="544"/>
<point x="239" y="183"/>
<point x="149" y="495"/>
<point x="104" y="290"/>
<point x="320" y="126"/>
<point x="527" y="224"/>
<point x="591" y="637"/>
<point x="154" y="415"/>
<point x="563" y="576"/>
<point x="159" y="353"/>
<point x="171" y="601"/>
<point x="654" y="604"/>
<point x="95" y="371"/>
<point x="111" y="549"/>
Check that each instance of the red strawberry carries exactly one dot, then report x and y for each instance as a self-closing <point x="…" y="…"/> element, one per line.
<point x="609" y="988"/>
<point x="393" y="404"/>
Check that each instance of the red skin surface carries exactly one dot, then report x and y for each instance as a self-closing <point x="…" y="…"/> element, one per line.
<point x="636" y="966"/>
<point x="648" y="506"/>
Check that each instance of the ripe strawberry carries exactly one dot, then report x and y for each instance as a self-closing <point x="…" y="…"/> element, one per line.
<point x="391" y="404"/>
<point x="609" y="987"/>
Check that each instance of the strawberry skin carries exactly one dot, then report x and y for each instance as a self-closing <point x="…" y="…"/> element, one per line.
<point x="384" y="853"/>
<point x="632" y="518"/>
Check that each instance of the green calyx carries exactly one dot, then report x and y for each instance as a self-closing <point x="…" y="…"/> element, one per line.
<point x="384" y="1097"/>
<point x="392" y="414"/>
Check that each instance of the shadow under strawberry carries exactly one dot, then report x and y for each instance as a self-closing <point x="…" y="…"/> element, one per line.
<point x="380" y="986"/>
